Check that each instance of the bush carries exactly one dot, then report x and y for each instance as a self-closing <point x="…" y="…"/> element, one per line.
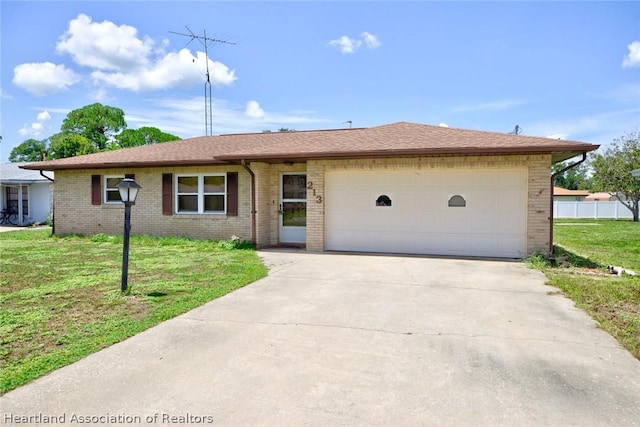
<point x="235" y="243"/>
<point x="101" y="238"/>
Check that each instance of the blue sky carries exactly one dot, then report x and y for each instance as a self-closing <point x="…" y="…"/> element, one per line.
<point x="566" y="70"/>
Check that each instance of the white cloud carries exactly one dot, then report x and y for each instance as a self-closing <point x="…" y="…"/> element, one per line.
<point x="503" y="104"/>
<point x="36" y="129"/>
<point x="253" y="110"/>
<point x="43" y="116"/>
<point x="44" y="78"/>
<point x="119" y="58"/>
<point x="370" y="40"/>
<point x="104" y="45"/>
<point x="443" y="125"/>
<point x="4" y="94"/>
<point x="33" y="129"/>
<point x="562" y="136"/>
<point x="632" y="59"/>
<point x="179" y="69"/>
<point x="347" y="44"/>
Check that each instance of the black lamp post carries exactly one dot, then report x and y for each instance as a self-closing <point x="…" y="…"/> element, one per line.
<point x="128" y="189"/>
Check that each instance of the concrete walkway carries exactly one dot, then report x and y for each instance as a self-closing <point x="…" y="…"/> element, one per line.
<point x="7" y="228"/>
<point x="337" y="339"/>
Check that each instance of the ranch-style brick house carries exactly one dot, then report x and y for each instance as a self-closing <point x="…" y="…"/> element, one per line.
<point x="397" y="188"/>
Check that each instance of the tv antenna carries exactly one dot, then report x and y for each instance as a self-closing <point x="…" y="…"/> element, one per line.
<point x="206" y="42"/>
<point x="516" y="131"/>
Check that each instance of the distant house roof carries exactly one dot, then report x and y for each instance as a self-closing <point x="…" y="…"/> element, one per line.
<point x="397" y="139"/>
<point x="558" y="191"/>
<point x="11" y="173"/>
<point x="603" y="197"/>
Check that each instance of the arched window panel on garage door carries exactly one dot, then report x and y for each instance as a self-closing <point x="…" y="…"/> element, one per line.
<point x="457" y="201"/>
<point x="383" y="200"/>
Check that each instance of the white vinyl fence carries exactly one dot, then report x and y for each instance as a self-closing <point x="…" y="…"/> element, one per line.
<point x="593" y="210"/>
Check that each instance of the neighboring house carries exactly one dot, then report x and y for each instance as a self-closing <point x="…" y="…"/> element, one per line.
<point x="600" y="197"/>
<point x="564" y="195"/>
<point x="397" y="188"/>
<point x="636" y="173"/>
<point x="29" y="186"/>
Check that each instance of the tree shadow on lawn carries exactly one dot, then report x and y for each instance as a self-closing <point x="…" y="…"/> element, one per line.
<point x="564" y="258"/>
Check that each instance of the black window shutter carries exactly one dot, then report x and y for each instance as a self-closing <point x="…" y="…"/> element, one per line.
<point x="96" y="190"/>
<point x="167" y="194"/>
<point x="232" y="193"/>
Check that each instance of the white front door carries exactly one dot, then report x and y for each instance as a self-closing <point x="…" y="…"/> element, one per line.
<point x="293" y="207"/>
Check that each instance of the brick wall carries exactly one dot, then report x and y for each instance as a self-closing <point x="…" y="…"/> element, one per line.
<point x="539" y="208"/>
<point x="74" y="212"/>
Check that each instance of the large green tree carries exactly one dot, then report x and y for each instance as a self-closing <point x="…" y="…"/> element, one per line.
<point x="63" y="145"/>
<point x="30" y="150"/>
<point x="96" y="122"/>
<point x="576" y="178"/>
<point x="90" y="129"/>
<point x="612" y="171"/>
<point x="146" y="135"/>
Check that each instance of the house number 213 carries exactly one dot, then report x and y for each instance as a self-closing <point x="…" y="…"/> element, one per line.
<point x="310" y="187"/>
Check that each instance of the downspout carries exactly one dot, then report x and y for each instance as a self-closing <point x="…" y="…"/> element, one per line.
<point x="253" y="200"/>
<point x="45" y="176"/>
<point x="553" y="178"/>
<point x="53" y="205"/>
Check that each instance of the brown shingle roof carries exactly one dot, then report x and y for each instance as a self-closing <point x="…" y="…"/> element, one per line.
<point x="398" y="139"/>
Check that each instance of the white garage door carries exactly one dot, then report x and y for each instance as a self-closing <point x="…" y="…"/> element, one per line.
<point x="480" y="212"/>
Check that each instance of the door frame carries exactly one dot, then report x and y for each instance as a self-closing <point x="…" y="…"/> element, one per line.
<point x="289" y="234"/>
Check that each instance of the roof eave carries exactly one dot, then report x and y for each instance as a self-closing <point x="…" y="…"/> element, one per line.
<point x="114" y="165"/>
<point x="22" y="181"/>
<point x="562" y="153"/>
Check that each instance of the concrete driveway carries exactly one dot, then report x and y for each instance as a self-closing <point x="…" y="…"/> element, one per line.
<point x="347" y="339"/>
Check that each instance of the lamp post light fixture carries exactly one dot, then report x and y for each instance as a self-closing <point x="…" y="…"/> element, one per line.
<point x="128" y="189"/>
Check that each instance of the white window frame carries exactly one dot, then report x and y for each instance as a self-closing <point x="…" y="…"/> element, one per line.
<point x="200" y="194"/>
<point x="113" y="189"/>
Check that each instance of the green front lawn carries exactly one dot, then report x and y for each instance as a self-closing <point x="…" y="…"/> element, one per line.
<point x="591" y="245"/>
<point x="60" y="297"/>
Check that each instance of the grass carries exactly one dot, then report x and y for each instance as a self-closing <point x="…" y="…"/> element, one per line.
<point x="590" y="246"/>
<point x="60" y="297"/>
